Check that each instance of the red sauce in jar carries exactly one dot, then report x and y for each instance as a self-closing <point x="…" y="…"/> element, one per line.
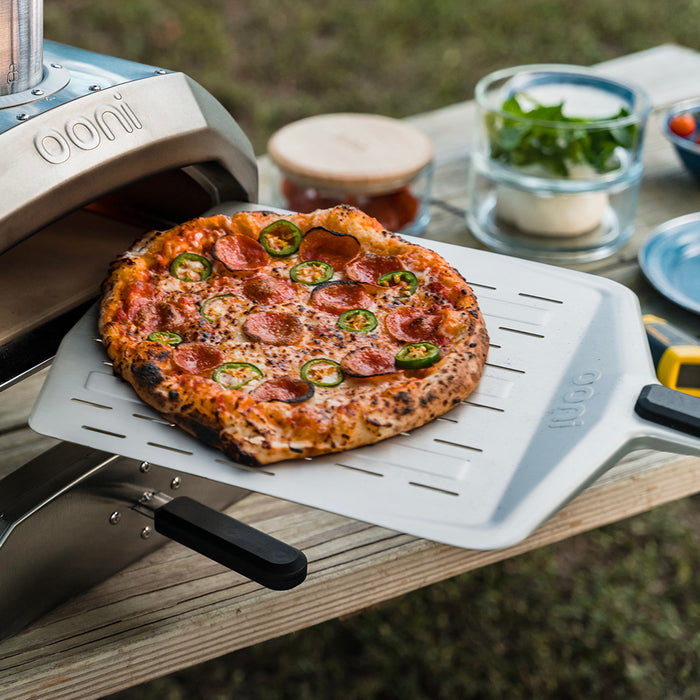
<point x="393" y="211"/>
<point x="375" y="163"/>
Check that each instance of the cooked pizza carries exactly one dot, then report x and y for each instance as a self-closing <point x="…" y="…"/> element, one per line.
<point x="276" y="337"/>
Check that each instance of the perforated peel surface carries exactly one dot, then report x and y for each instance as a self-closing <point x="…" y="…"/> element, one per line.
<point x="567" y="352"/>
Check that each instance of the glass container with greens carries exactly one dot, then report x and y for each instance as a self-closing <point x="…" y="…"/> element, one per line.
<point x="556" y="170"/>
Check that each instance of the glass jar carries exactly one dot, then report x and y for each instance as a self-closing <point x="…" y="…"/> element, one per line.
<point x="380" y="165"/>
<point x="557" y="166"/>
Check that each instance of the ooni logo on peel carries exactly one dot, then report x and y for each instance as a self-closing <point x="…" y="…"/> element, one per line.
<point x="572" y="405"/>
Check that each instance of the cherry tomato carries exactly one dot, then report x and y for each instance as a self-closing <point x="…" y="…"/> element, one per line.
<point x="682" y="124"/>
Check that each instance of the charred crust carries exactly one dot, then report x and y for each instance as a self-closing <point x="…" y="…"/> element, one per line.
<point x="173" y="395"/>
<point x="148" y="375"/>
<point x="237" y="455"/>
<point x="201" y="430"/>
<point x="430" y="398"/>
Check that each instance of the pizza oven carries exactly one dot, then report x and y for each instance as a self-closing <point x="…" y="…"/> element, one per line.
<point x="100" y="149"/>
<point x="97" y="150"/>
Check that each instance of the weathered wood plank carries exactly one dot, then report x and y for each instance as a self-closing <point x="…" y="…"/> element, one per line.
<point x="159" y="624"/>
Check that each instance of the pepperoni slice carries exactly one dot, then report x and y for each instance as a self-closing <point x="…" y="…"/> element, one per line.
<point x="370" y="267"/>
<point x="197" y="358"/>
<point x="137" y="295"/>
<point x="336" y="297"/>
<point x="336" y="249"/>
<point x="239" y="253"/>
<point x="173" y="315"/>
<point x="368" y="362"/>
<point x="412" y="324"/>
<point x="268" y="290"/>
<point x="273" y="327"/>
<point x="158" y="315"/>
<point x="285" y="388"/>
<point x="147" y="317"/>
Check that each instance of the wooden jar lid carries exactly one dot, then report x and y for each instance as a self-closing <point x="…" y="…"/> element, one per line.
<point x="357" y="153"/>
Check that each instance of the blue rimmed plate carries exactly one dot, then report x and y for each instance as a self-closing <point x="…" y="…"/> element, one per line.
<point x="670" y="259"/>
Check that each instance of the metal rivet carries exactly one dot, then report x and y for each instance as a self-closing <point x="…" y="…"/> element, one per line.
<point x="115" y="517"/>
<point x="176" y="483"/>
<point x="22" y="117"/>
<point x="36" y="91"/>
<point x="146" y="533"/>
<point x="160" y="71"/>
<point x="95" y="88"/>
<point x="145" y="466"/>
<point x="56" y="65"/>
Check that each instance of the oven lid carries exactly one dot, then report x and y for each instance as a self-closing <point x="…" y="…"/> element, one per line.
<point x="113" y="123"/>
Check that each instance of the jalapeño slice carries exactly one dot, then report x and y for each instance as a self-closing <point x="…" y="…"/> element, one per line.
<point x="165" y="337"/>
<point x="281" y="238"/>
<point x="322" y="372"/>
<point x="214" y="308"/>
<point x="190" y="267"/>
<point x="417" y="355"/>
<point x="311" y="272"/>
<point x="234" y="375"/>
<point x="357" y="321"/>
<point x="403" y="280"/>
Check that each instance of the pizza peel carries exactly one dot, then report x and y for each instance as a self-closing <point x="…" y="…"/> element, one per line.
<point x="568" y="374"/>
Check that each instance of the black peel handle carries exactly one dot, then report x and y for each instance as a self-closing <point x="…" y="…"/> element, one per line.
<point x="230" y="542"/>
<point x="670" y="408"/>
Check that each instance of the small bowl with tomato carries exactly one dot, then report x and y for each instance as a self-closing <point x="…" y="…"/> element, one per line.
<point x="681" y="126"/>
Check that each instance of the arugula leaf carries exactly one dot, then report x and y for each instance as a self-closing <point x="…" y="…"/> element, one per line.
<point x="532" y="137"/>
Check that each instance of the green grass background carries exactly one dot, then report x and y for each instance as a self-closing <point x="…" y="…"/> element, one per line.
<point x="611" y="614"/>
<point x="272" y="61"/>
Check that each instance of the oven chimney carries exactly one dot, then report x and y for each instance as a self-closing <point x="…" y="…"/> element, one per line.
<point x="21" y="45"/>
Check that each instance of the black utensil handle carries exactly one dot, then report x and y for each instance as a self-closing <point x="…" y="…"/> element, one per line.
<point x="242" y="548"/>
<point x="670" y="408"/>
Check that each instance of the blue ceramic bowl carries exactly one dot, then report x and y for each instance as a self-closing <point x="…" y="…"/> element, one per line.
<point x="686" y="147"/>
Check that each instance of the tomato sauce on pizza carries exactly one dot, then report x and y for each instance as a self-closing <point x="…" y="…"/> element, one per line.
<point x="276" y="337"/>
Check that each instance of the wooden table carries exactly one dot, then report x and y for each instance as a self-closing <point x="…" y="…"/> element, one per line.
<point x="176" y="608"/>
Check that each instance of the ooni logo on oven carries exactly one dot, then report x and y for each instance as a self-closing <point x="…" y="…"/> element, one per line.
<point x="572" y="405"/>
<point x="108" y="121"/>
